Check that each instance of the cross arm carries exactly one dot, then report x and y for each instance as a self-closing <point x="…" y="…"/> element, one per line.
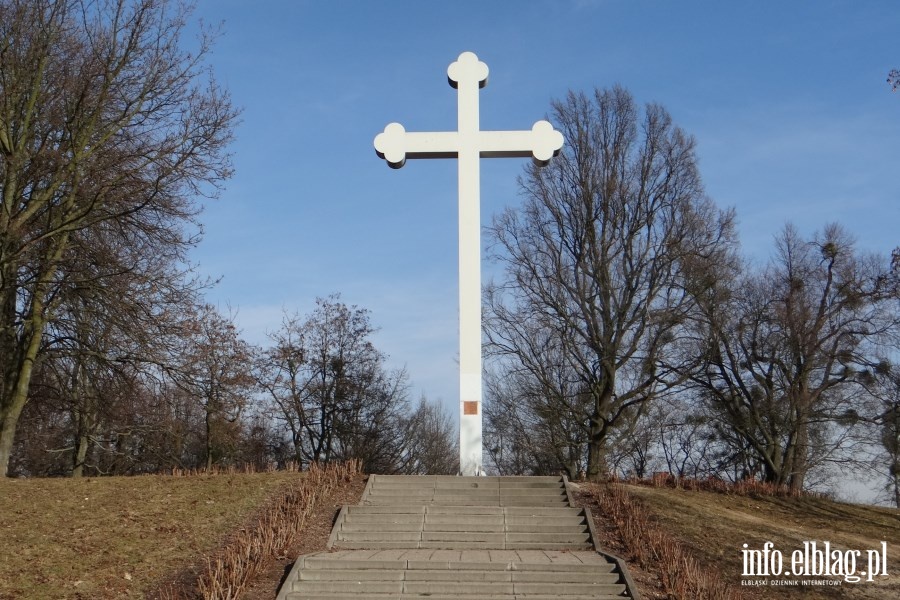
<point x="542" y="143"/>
<point x="395" y="144"/>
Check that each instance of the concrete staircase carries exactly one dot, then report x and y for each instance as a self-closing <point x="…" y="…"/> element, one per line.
<point x="442" y="538"/>
<point x="436" y="490"/>
<point x="503" y="513"/>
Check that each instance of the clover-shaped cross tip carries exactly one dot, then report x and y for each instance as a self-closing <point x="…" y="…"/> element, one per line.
<point x="547" y="142"/>
<point x="467" y="68"/>
<point x="389" y="145"/>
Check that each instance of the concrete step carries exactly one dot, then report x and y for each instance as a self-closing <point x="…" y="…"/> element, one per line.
<point x="462" y="536"/>
<point x="387" y="481"/>
<point x="360" y="574"/>
<point x="539" y="511"/>
<point x="397" y="489"/>
<point x="456" y="479"/>
<point x="539" y="545"/>
<point x="436" y="520"/>
<point x="461" y="545"/>
<point x="526" y="528"/>
<point x="460" y="525"/>
<point x="466" y="500"/>
<point x="457" y="487"/>
<point x="349" y="545"/>
<point x="500" y="538"/>
<point x="465" y="491"/>
<point x="455" y="588"/>
<point x="467" y="525"/>
<point x="490" y="496"/>
<point x="326" y="562"/>
<point x="532" y="502"/>
<point x="523" y="511"/>
<point x="467" y="537"/>
<point x="357" y="526"/>
<point x="394" y="596"/>
<point x="469" y="499"/>
<point x="445" y="518"/>
<point x="403" y="509"/>
<point x="352" y="574"/>
<point x="555" y="520"/>
<point x="379" y="536"/>
<point x="569" y="537"/>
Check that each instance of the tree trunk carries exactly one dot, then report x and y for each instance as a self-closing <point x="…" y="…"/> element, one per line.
<point x="81" y="418"/>
<point x="797" y="476"/>
<point x="595" y="451"/>
<point x="800" y="463"/>
<point x="603" y="399"/>
<point x="209" y="454"/>
<point x="12" y="405"/>
<point x="8" y="421"/>
<point x="770" y="473"/>
<point x="80" y="454"/>
<point x="11" y="409"/>
<point x="571" y="469"/>
<point x="896" y="471"/>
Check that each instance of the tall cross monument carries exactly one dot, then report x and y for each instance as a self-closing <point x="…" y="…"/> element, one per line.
<point x="468" y="144"/>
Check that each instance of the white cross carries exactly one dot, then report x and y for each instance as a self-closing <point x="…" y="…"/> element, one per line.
<point x="467" y="144"/>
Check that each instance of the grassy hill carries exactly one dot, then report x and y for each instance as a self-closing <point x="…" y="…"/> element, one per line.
<point x="118" y="537"/>
<point x="712" y="527"/>
<point x="123" y="537"/>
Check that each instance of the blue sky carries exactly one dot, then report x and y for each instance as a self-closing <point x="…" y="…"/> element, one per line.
<point x="787" y="100"/>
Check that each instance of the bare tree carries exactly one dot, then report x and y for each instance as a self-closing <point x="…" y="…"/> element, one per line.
<point x="785" y="349"/>
<point x="599" y="261"/>
<point x="281" y="372"/>
<point x="216" y="372"/>
<point x="534" y="419"/>
<point x="880" y="434"/>
<point x="431" y="441"/>
<point x="890" y="442"/>
<point x="118" y="319"/>
<point x="328" y="384"/>
<point x="104" y="122"/>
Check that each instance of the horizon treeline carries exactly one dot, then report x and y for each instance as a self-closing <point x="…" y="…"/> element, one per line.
<point x="626" y="332"/>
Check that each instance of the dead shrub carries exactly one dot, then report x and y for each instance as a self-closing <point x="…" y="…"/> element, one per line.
<point x="228" y="572"/>
<point x="647" y="544"/>
<point x="744" y="487"/>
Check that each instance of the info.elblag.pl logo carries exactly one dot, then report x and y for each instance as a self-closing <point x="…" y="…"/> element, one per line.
<point x="813" y="560"/>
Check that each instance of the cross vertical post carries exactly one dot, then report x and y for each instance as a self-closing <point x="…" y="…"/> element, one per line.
<point x="468" y="145"/>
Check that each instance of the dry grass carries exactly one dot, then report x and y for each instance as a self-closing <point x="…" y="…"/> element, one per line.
<point x="118" y="537"/>
<point x="313" y="538"/>
<point x="229" y="572"/>
<point x="745" y="487"/>
<point x="711" y="526"/>
<point x="681" y="576"/>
